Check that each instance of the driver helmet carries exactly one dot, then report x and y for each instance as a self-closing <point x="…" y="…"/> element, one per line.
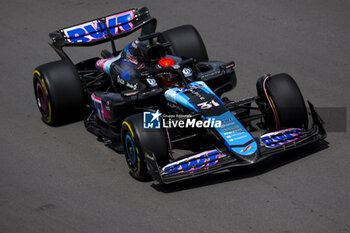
<point x="168" y="78"/>
<point x="132" y="52"/>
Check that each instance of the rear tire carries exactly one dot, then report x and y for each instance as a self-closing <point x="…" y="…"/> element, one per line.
<point x="58" y="92"/>
<point x="136" y="141"/>
<point x="185" y="42"/>
<point x="284" y="99"/>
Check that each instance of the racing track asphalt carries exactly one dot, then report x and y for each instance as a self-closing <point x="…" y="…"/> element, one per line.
<point x="63" y="180"/>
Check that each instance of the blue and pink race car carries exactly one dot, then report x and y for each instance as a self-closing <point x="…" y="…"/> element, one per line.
<point x="159" y="100"/>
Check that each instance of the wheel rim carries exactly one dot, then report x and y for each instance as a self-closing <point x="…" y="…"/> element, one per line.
<point x="41" y="99"/>
<point x="131" y="154"/>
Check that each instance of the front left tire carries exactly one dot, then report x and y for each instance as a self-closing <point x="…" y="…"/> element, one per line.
<point x="136" y="141"/>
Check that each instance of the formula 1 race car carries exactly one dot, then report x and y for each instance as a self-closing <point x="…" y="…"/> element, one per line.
<point x="160" y="94"/>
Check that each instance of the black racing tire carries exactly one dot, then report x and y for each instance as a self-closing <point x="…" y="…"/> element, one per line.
<point x="185" y="42"/>
<point x="136" y="141"/>
<point x="284" y="100"/>
<point x="58" y="92"/>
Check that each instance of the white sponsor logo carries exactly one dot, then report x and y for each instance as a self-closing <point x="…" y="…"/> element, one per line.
<point x="190" y="123"/>
<point x="187" y="72"/>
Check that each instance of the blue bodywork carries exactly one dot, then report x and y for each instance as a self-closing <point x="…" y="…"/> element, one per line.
<point x="236" y="138"/>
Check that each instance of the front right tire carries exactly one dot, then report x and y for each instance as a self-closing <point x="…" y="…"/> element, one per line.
<point x="284" y="102"/>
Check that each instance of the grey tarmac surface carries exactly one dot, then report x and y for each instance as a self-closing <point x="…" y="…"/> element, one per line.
<point x="63" y="180"/>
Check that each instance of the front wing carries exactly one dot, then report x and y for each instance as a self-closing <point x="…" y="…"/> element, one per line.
<point x="220" y="158"/>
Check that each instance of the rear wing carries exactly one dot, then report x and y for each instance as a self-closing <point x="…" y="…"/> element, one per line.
<point x="103" y="29"/>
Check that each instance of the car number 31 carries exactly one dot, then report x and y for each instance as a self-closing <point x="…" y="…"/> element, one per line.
<point x="207" y="104"/>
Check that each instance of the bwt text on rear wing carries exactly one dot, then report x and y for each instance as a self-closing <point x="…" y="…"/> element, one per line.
<point x="103" y="29"/>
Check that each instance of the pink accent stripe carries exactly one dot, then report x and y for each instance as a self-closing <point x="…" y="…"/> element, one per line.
<point x="168" y="136"/>
<point x="44" y="96"/>
<point x="281" y="131"/>
<point x="105" y="113"/>
<point x="171" y="149"/>
<point x="119" y="15"/>
<point x="93" y="23"/>
<point x="99" y="63"/>
<point x="268" y="99"/>
<point x="189" y="158"/>
<point x="95" y="97"/>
